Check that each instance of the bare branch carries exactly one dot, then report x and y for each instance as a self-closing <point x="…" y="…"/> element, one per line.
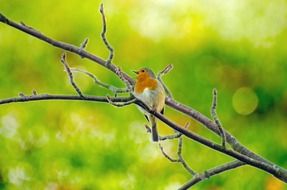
<point x="64" y="46"/>
<point x="278" y="172"/>
<point x="167" y="137"/>
<point x="181" y="159"/>
<point x="70" y="74"/>
<point x="120" y="104"/>
<point x="124" y="78"/>
<point x="103" y="34"/>
<point x="211" y="172"/>
<point x="166" y="70"/>
<point x="215" y="118"/>
<point x="179" y="154"/>
<point x="62" y="97"/>
<point x="206" y="122"/>
<point x="100" y="83"/>
<point x="22" y="23"/>
<point x="170" y="137"/>
<point x="166" y="155"/>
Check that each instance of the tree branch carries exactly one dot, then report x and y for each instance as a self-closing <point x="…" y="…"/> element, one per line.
<point x="211" y="172"/>
<point x="100" y="83"/>
<point x="206" y="122"/>
<point x="166" y="155"/>
<point x="121" y="104"/>
<point x="215" y="118"/>
<point x="273" y="169"/>
<point x="62" y="97"/>
<point x="84" y="43"/>
<point x="170" y="137"/>
<point x="167" y="137"/>
<point x="64" y="46"/>
<point x="103" y="34"/>
<point x="165" y="71"/>
<point x="180" y="158"/>
<point x="70" y="74"/>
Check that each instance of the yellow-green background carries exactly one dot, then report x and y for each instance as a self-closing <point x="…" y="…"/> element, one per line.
<point x="238" y="47"/>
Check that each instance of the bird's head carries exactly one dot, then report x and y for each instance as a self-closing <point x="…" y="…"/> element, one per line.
<point x="144" y="73"/>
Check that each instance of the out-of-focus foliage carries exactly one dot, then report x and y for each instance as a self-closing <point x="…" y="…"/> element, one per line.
<point x="238" y="47"/>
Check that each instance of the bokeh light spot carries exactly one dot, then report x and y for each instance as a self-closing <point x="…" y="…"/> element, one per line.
<point x="245" y="101"/>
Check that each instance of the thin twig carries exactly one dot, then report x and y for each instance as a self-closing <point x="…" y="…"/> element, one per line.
<point x="103" y="34"/>
<point x="22" y="23"/>
<point x="120" y="104"/>
<point x="123" y="77"/>
<point x="100" y="83"/>
<point x="211" y="172"/>
<point x="175" y="135"/>
<point x="166" y="70"/>
<point x="166" y="155"/>
<point x="170" y="137"/>
<point x="216" y="119"/>
<point x="70" y="74"/>
<point x="180" y="158"/>
<point x="84" y="43"/>
<point x="179" y="153"/>
<point x="167" y="137"/>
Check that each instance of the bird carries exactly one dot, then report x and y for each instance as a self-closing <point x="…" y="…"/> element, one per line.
<point x="149" y="90"/>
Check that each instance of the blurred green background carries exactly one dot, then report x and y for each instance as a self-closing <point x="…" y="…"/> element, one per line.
<point x="238" y="47"/>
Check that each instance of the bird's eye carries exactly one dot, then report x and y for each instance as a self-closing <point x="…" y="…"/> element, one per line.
<point x="142" y="71"/>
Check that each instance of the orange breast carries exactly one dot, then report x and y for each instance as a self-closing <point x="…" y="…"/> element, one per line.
<point x="145" y="83"/>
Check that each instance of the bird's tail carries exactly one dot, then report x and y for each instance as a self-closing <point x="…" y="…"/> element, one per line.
<point x="154" y="132"/>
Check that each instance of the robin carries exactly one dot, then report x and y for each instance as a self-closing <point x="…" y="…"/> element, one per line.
<point x="149" y="90"/>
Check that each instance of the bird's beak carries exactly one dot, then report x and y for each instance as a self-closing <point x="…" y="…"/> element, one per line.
<point x="136" y="72"/>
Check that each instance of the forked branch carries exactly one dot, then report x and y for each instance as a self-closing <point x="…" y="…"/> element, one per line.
<point x="97" y="81"/>
<point x="211" y="172"/>
<point x="70" y="74"/>
<point x="104" y="38"/>
<point x="215" y="118"/>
